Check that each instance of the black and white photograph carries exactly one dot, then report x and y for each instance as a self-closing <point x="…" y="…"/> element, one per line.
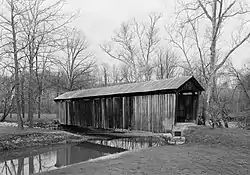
<point x="125" y="87"/>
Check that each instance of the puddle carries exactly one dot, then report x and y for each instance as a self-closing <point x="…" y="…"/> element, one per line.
<point x="53" y="159"/>
<point x="134" y="143"/>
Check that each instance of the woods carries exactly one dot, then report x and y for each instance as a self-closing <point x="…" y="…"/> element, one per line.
<point x="43" y="55"/>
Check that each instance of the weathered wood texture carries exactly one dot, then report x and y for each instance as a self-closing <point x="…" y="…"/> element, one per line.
<point x="154" y="113"/>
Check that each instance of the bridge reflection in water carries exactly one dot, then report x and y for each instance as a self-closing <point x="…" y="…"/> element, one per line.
<point x="70" y="154"/>
<point x="131" y="143"/>
<point x="53" y="159"/>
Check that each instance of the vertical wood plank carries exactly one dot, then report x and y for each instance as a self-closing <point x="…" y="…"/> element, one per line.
<point x="135" y="112"/>
<point x="146" y="121"/>
<point x="149" y="112"/>
<point x="103" y="112"/>
<point x="162" y="112"/>
<point x="106" y="113"/>
<point x="113" y="112"/>
<point x="174" y="109"/>
<point x="141" y="112"/>
<point x="153" y="113"/>
<point x="123" y="112"/>
<point x="93" y="113"/>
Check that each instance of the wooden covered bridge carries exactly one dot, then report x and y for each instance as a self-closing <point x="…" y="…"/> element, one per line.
<point x="154" y="106"/>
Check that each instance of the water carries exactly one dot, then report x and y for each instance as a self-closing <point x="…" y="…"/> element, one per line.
<point x="134" y="143"/>
<point x="70" y="154"/>
<point x="66" y="155"/>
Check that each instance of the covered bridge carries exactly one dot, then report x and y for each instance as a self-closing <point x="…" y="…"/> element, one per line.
<point x="154" y="106"/>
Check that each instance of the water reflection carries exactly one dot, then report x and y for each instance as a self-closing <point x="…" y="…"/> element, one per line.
<point x="29" y="165"/>
<point x="134" y="143"/>
<point x="50" y="160"/>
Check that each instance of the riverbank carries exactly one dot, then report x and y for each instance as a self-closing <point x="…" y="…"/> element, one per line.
<point x="207" y="151"/>
<point x="13" y="139"/>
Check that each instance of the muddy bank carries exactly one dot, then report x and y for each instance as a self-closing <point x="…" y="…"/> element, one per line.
<point x="13" y="140"/>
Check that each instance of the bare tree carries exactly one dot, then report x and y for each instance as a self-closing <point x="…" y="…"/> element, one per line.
<point x="116" y="75"/>
<point x="166" y="64"/>
<point x="135" y="45"/>
<point x="41" y="23"/>
<point x="6" y="95"/>
<point x="105" y="74"/>
<point x="76" y="61"/>
<point x="10" y="17"/>
<point x="242" y="79"/>
<point x="122" y="48"/>
<point x="215" y="14"/>
<point x="148" y="38"/>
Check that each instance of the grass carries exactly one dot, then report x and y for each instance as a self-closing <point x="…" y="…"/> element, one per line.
<point x="45" y="118"/>
<point x="218" y="151"/>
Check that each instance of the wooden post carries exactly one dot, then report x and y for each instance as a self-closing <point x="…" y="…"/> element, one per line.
<point x="141" y="112"/>
<point x="113" y="112"/>
<point x="103" y="112"/>
<point x="66" y="113"/>
<point x="107" y="113"/>
<point x="93" y="113"/>
<point x="176" y="108"/>
<point x="149" y="112"/>
<point x="123" y="112"/>
<point x="135" y="112"/>
<point x="197" y="107"/>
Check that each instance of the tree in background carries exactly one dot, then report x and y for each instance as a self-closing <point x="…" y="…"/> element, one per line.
<point x="28" y="29"/>
<point x="7" y="91"/>
<point x="207" y="43"/>
<point x="242" y="84"/>
<point x="10" y="17"/>
<point x="135" y="45"/>
<point x="166" y="64"/>
<point x="42" y="23"/>
<point x="76" y="62"/>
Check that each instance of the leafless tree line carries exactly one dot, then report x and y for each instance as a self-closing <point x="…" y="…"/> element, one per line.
<point x="35" y="39"/>
<point x="139" y="47"/>
<point x="41" y="55"/>
<point x="200" y="34"/>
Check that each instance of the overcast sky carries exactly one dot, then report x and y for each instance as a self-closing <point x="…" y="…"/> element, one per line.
<point x="99" y="18"/>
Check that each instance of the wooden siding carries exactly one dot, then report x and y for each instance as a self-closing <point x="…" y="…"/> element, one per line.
<point x="154" y="113"/>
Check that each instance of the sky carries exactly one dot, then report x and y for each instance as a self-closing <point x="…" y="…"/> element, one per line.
<point x="100" y="18"/>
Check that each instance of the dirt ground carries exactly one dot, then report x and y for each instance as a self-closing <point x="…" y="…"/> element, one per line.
<point x="218" y="151"/>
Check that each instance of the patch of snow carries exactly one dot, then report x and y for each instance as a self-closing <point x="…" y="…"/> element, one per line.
<point x="7" y="124"/>
<point x="177" y="141"/>
<point x="167" y="135"/>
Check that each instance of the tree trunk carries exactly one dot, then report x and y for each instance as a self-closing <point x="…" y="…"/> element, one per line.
<point x="6" y="111"/>
<point x="17" y="80"/>
<point x="31" y="165"/>
<point x="22" y="98"/>
<point x="211" y="88"/>
<point x="30" y="95"/>
<point x="20" y="166"/>
<point x="39" y="105"/>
